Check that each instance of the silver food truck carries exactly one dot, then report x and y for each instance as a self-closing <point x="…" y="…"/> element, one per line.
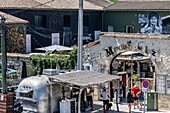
<point x="39" y="95"/>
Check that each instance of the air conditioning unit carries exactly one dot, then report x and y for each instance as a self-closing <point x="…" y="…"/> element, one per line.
<point x="50" y="72"/>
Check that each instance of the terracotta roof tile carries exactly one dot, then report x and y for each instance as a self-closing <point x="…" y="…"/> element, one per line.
<point x="103" y="3"/>
<point x="140" y="5"/>
<point x="12" y="19"/>
<point x="92" y="43"/>
<point x="47" y="4"/>
<point x="21" y="4"/>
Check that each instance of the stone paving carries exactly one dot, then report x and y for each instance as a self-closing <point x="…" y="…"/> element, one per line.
<point x="122" y="109"/>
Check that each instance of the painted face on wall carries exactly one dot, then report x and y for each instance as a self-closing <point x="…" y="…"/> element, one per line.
<point x="153" y="26"/>
<point x="153" y="20"/>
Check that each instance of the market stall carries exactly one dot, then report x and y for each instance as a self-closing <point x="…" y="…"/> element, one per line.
<point x="138" y="67"/>
<point x="83" y="79"/>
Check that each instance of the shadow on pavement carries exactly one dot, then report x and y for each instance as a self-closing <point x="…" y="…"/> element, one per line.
<point x="98" y="108"/>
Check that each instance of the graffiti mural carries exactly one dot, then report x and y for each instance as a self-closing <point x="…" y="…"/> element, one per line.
<point x="16" y="40"/>
<point x="54" y="22"/>
<point x="150" y="24"/>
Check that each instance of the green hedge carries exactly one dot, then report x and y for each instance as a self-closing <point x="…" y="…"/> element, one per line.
<point x="54" y="61"/>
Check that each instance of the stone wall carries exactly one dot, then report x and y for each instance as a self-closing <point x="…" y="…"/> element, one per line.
<point x="147" y="44"/>
<point x="140" y="42"/>
<point x="163" y="102"/>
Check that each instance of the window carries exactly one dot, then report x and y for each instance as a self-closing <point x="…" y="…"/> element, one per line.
<point x="110" y="28"/>
<point x="86" y="20"/>
<point x="40" y="21"/>
<point x="87" y="67"/>
<point x="27" y="94"/>
<point x="66" y="21"/>
<point x="129" y="28"/>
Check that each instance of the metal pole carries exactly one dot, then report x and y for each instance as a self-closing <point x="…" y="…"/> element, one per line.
<point x="80" y="34"/>
<point x="131" y="74"/>
<point x="79" y="101"/>
<point x="144" y="101"/>
<point x="3" y="57"/>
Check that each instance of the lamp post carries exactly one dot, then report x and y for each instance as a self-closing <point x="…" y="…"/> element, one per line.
<point x="3" y="57"/>
<point x="80" y="34"/>
<point x="80" y="37"/>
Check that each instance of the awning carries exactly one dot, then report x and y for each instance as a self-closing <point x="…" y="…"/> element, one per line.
<point x="138" y="58"/>
<point x="23" y="90"/>
<point x="84" y="78"/>
<point x="131" y="53"/>
<point x="54" y="48"/>
<point x="9" y="71"/>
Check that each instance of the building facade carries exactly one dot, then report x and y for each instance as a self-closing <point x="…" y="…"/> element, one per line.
<point x="47" y="17"/>
<point x="146" y="17"/>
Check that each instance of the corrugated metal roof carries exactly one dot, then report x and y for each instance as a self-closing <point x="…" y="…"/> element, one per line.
<point x="84" y="78"/>
<point x="47" y="4"/>
<point x="140" y="5"/>
<point x="12" y="19"/>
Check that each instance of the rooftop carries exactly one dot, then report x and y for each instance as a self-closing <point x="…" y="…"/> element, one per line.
<point x="135" y="35"/>
<point x="140" y="5"/>
<point x="103" y="3"/>
<point x="47" y="4"/>
<point x="12" y="19"/>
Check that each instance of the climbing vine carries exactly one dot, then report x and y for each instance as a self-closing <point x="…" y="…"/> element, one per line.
<point x="54" y="61"/>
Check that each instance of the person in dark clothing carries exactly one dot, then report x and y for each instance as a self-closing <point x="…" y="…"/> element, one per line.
<point x="130" y="99"/>
<point x="89" y="94"/>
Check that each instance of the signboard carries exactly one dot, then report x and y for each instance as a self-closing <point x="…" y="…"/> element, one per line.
<point x="28" y="43"/>
<point x="167" y="85"/>
<point x="145" y="89"/>
<point x="160" y="83"/>
<point x="145" y="84"/>
<point x="55" y="38"/>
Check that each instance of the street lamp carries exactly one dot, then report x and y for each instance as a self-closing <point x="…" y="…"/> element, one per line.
<point x="3" y="57"/>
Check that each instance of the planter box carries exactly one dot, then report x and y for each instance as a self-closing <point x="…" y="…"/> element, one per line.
<point x="7" y="103"/>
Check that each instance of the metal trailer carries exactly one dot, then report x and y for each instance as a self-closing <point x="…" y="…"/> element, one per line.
<point x="39" y="95"/>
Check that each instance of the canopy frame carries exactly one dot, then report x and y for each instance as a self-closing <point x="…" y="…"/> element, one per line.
<point x="83" y="79"/>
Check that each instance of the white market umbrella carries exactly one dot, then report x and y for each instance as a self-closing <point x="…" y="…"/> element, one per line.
<point x="55" y="48"/>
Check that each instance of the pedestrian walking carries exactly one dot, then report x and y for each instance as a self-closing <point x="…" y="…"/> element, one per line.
<point x="135" y="91"/>
<point x="130" y="99"/>
<point x="105" y="96"/>
<point x="140" y="99"/>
